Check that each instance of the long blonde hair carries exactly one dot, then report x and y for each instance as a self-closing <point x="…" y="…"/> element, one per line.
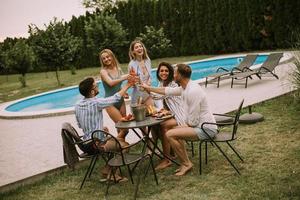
<point x="111" y="54"/>
<point x="131" y="47"/>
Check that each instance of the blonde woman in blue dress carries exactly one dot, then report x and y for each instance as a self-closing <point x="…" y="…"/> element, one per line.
<point x="112" y="78"/>
<point x="140" y="65"/>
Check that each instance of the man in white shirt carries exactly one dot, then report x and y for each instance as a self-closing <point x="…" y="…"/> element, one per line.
<point x="196" y="112"/>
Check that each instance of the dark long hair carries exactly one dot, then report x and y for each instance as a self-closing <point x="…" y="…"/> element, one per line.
<point x="170" y="76"/>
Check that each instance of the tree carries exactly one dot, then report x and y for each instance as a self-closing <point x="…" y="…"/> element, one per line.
<point x="6" y="45"/>
<point x="105" y="31"/>
<point x="55" y="46"/>
<point x="158" y="45"/>
<point x="102" y="5"/>
<point x="20" y="58"/>
<point x="3" y="66"/>
<point x="77" y="29"/>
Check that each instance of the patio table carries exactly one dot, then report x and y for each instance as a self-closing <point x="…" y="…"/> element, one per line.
<point x="148" y="122"/>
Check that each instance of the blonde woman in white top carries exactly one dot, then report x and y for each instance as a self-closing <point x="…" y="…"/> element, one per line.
<point x="140" y="65"/>
<point x="196" y="112"/>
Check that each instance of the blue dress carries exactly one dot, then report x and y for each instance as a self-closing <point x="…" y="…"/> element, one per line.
<point x="111" y="90"/>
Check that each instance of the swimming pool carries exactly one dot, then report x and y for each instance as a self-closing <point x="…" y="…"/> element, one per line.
<point x="66" y="98"/>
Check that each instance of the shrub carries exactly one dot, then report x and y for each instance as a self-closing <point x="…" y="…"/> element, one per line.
<point x="156" y="42"/>
<point x="296" y="72"/>
<point x="104" y="31"/>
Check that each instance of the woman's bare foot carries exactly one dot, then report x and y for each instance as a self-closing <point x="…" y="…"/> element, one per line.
<point x="163" y="164"/>
<point x="184" y="169"/>
<point x="178" y="169"/>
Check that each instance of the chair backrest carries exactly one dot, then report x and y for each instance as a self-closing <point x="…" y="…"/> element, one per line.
<point x="272" y="61"/>
<point x="236" y="120"/>
<point x="73" y="136"/>
<point x="247" y="61"/>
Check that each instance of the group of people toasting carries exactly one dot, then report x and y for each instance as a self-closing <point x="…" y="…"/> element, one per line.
<point x="177" y="93"/>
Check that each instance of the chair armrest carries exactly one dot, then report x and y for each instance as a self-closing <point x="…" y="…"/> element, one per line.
<point x="247" y="69"/>
<point x="225" y="115"/>
<point x="218" y="124"/>
<point x="235" y="69"/>
<point x="84" y="141"/>
<point x="133" y="144"/>
<point x="263" y="68"/>
<point x="221" y="68"/>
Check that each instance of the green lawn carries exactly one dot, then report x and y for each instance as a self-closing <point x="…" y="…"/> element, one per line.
<point x="271" y="170"/>
<point x="10" y="87"/>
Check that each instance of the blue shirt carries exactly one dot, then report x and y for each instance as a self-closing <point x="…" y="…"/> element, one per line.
<point x="89" y="114"/>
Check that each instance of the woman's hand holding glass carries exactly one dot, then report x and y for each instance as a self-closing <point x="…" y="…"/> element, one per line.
<point x="145" y="87"/>
<point x="133" y="80"/>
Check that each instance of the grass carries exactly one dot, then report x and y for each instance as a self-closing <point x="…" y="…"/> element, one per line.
<point x="271" y="169"/>
<point x="42" y="82"/>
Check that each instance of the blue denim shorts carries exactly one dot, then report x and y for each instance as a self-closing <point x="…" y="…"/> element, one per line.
<point x="200" y="133"/>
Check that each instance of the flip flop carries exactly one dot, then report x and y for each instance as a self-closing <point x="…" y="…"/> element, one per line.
<point x="103" y="180"/>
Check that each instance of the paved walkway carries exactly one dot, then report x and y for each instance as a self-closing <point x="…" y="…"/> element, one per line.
<point x="33" y="146"/>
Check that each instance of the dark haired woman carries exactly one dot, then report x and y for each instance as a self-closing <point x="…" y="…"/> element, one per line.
<point x="165" y="76"/>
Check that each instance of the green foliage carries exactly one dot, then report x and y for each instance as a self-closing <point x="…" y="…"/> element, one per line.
<point x="156" y="42"/>
<point x="20" y="58"/>
<point x="105" y="31"/>
<point x="218" y="26"/>
<point x="5" y="46"/>
<point x="55" y="46"/>
<point x="3" y="65"/>
<point x="296" y="72"/>
<point x="76" y="25"/>
<point x="102" y="5"/>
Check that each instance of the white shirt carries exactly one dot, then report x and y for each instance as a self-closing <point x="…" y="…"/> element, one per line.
<point x="195" y="105"/>
<point x="174" y="103"/>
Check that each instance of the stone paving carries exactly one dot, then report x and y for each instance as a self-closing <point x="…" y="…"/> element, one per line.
<point x="34" y="146"/>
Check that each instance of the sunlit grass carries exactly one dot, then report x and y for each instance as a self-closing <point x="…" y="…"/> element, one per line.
<point x="271" y="170"/>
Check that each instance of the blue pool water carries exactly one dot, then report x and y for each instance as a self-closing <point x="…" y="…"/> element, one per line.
<point x="68" y="97"/>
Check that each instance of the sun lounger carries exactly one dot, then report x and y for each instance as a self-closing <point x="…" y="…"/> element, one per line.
<point x="266" y="68"/>
<point x="223" y="73"/>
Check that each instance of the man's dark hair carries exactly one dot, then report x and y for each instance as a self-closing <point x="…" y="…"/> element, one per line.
<point x="86" y="86"/>
<point x="184" y="70"/>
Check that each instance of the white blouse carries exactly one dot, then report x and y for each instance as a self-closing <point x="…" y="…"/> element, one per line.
<point x="174" y="103"/>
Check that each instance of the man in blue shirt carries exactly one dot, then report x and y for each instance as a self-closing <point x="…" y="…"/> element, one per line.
<point x="89" y="111"/>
